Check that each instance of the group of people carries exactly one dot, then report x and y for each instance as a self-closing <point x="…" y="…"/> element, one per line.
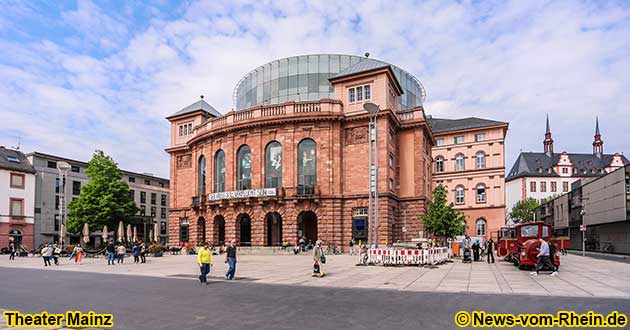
<point x="204" y="259"/>
<point x="117" y="253"/>
<point x="50" y="251"/>
<point x="479" y="250"/>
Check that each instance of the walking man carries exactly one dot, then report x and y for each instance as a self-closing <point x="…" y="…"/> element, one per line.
<point x="121" y="251"/>
<point x="204" y="259"/>
<point x="544" y="259"/>
<point x="136" y="253"/>
<point x="351" y="244"/>
<point x="111" y="251"/>
<point x="230" y="259"/>
<point x="143" y="251"/>
<point x="47" y="252"/>
<point x="12" y="251"/>
<point x="490" y="250"/>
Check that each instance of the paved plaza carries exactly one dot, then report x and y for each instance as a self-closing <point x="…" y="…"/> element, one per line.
<point x="579" y="276"/>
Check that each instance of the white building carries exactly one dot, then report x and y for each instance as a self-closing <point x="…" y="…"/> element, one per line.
<point x="17" y="199"/>
<point x="543" y="174"/>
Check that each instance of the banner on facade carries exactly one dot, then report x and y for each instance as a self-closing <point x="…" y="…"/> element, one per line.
<point x="243" y="194"/>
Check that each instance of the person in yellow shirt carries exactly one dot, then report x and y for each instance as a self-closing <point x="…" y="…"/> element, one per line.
<point x="204" y="259"/>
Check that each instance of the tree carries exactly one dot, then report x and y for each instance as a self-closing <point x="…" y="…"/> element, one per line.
<point x="442" y="219"/>
<point x="104" y="200"/>
<point x="523" y="210"/>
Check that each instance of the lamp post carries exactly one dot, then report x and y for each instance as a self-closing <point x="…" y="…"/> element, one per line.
<point x="583" y="226"/>
<point x="63" y="168"/>
<point x="373" y="110"/>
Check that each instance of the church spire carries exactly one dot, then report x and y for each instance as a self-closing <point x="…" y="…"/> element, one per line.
<point x="548" y="142"/>
<point x="598" y="144"/>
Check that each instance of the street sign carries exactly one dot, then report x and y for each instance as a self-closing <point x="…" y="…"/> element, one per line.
<point x="582" y="227"/>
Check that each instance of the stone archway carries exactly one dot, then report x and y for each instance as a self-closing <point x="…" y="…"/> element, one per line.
<point x="219" y="229"/>
<point x="307" y="226"/>
<point x="201" y="230"/>
<point x="244" y="223"/>
<point x="273" y="229"/>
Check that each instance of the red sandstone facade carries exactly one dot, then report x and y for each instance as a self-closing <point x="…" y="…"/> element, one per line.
<point x="339" y="129"/>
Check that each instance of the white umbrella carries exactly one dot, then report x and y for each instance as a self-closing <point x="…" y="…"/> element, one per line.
<point x="86" y="233"/>
<point x="135" y="233"/>
<point x="105" y="233"/>
<point x="129" y="232"/>
<point x="156" y="231"/>
<point x="121" y="231"/>
<point x="150" y="235"/>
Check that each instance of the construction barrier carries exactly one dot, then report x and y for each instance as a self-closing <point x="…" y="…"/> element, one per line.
<point x="417" y="257"/>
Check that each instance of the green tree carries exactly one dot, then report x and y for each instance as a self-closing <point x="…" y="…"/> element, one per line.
<point x="523" y="210"/>
<point x="104" y="200"/>
<point x="442" y="219"/>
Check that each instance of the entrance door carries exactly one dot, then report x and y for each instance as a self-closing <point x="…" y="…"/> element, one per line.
<point x="359" y="228"/>
<point x="307" y="226"/>
<point x="245" y="230"/>
<point x="219" y="229"/>
<point x="201" y="229"/>
<point x="15" y="236"/>
<point x="274" y="229"/>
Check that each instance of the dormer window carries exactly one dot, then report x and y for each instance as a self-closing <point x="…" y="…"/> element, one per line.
<point x="359" y="94"/>
<point x="13" y="159"/>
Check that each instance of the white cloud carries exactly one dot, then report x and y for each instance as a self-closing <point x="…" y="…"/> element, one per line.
<point x="512" y="61"/>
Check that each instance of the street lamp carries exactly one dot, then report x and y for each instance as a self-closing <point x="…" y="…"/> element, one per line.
<point x="63" y="168"/>
<point x="373" y="110"/>
<point x="583" y="226"/>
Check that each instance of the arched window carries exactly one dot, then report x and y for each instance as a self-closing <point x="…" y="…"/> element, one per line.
<point x="439" y="164"/>
<point x="307" y="167"/>
<point x="244" y="168"/>
<point x="481" y="193"/>
<point x="273" y="165"/>
<point x="459" y="195"/>
<point x="459" y="162"/>
<point x="219" y="171"/>
<point x="480" y="227"/>
<point x="201" y="175"/>
<point x="481" y="159"/>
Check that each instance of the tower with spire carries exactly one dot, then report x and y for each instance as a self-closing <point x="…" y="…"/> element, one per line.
<point x="598" y="144"/>
<point x="548" y="142"/>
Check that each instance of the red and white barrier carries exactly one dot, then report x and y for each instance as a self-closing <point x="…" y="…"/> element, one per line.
<point x="410" y="257"/>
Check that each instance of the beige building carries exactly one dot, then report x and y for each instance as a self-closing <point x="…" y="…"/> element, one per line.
<point x="468" y="158"/>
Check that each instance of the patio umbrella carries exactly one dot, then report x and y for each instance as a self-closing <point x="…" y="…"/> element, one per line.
<point x="86" y="233"/>
<point x="121" y="231"/>
<point x="105" y="233"/>
<point x="135" y="233"/>
<point x="156" y="231"/>
<point x="150" y="234"/>
<point x="129" y="232"/>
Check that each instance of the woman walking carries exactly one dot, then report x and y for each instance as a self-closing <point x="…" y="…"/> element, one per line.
<point x="143" y="258"/>
<point x="12" y="251"/>
<point x="319" y="259"/>
<point x="78" y="254"/>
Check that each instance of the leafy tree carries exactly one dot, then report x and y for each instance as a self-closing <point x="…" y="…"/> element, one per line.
<point x="442" y="219"/>
<point x="104" y="200"/>
<point x="523" y="210"/>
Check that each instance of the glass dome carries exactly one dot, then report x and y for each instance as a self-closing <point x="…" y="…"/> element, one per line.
<point x="305" y="78"/>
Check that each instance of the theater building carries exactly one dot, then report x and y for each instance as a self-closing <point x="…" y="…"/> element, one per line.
<point x="292" y="160"/>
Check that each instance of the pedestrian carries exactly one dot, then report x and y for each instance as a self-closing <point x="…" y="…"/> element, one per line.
<point x="12" y="251"/>
<point x="490" y="250"/>
<point x="56" y="252"/>
<point x="143" y="251"/>
<point x="475" y="249"/>
<point x="120" y="253"/>
<point x="302" y="244"/>
<point x="135" y="250"/>
<point x="544" y="259"/>
<point x="351" y="245"/>
<point x="111" y="251"/>
<point x="230" y="259"/>
<point x="318" y="260"/>
<point x="204" y="259"/>
<point x="78" y="254"/>
<point x="47" y="252"/>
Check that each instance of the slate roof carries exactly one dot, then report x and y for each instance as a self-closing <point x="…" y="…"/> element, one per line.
<point x="22" y="166"/>
<point x="199" y="105"/>
<point x="366" y="65"/>
<point x="441" y="125"/>
<point x="540" y="164"/>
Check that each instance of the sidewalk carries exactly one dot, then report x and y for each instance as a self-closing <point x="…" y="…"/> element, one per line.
<point x="579" y="276"/>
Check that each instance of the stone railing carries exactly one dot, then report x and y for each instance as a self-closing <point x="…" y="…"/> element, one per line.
<point x="411" y="114"/>
<point x="270" y="111"/>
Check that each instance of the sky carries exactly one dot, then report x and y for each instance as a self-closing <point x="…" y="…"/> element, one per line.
<point x="86" y="75"/>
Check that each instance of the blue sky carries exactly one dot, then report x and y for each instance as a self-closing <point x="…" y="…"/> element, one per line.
<point x="77" y="76"/>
